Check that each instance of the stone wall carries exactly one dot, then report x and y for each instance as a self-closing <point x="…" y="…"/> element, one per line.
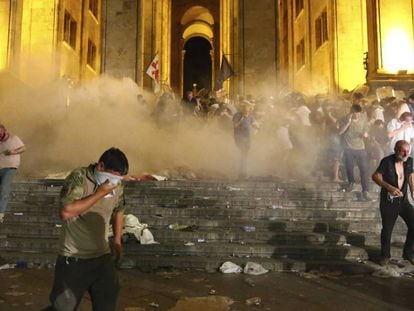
<point x="258" y="46"/>
<point x="120" y="34"/>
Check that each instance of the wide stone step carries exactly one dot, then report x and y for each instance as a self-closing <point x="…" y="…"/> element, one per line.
<point x="268" y="223"/>
<point x="224" y="201"/>
<point x="287" y="210"/>
<point x="164" y="235"/>
<point x="222" y="234"/>
<point x="149" y="263"/>
<point x="230" y="203"/>
<point x="219" y="216"/>
<point x="298" y="252"/>
<point x="257" y="213"/>
<point x="298" y="224"/>
<point x="309" y="252"/>
<point x="53" y="185"/>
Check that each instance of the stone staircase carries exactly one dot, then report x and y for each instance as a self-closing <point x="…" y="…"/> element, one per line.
<point x="297" y="225"/>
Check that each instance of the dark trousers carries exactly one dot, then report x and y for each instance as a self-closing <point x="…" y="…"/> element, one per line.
<point x="358" y="157"/>
<point x="390" y="210"/>
<point x="73" y="277"/>
<point x="243" y="143"/>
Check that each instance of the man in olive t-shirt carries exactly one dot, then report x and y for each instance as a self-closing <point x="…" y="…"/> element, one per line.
<point x="91" y="198"/>
<point x="353" y="128"/>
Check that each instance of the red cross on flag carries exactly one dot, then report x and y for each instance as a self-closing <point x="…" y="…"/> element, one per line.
<point x="154" y="69"/>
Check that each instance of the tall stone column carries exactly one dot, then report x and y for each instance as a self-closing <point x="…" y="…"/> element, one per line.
<point x="258" y="46"/>
<point x="120" y="38"/>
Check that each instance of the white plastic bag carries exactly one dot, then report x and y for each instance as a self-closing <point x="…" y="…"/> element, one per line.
<point x="254" y="269"/>
<point x="229" y="267"/>
<point x="147" y="237"/>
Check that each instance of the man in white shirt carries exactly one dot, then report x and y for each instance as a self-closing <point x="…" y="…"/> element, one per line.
<point x="11" y="147"/>
<point x="400" y="129"/>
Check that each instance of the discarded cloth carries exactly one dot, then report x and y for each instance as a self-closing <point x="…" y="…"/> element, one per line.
<point x="139" y="230"/>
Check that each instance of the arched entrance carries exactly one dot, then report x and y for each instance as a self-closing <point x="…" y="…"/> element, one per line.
<point x="197" y="64"/>
<point x="175" y="22"/>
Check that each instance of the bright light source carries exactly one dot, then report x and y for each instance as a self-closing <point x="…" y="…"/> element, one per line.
<point x="398" y="51"/>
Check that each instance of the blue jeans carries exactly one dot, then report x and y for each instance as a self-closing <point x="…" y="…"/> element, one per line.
<point x="6" y="179"/>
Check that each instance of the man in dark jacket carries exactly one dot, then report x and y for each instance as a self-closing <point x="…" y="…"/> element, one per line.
<point x="393" y="175"/>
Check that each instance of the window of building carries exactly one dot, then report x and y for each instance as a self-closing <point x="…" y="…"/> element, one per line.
<point x="298" y="6"/>
<point x="91" y="57"/>
<point x="300" y="54"/>
<point x="69" y="30"/>
<point x="93" y="7"/>
<point x="321" y="29"/>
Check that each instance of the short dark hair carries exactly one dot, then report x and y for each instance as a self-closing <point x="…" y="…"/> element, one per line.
<point x="356" y="108"/>
<point x="411" y="96"/>
<point x="357" y="95"/>
<point x="114" y="159"/>
<point x="378" y="122"/>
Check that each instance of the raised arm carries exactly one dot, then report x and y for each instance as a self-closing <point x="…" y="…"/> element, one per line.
<point x="80" y="206"/>
<point x="343" y="127"/>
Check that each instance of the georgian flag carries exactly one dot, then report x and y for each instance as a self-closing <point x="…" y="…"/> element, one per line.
<point x="154" y="69"/>
<point x="154" y="72"/>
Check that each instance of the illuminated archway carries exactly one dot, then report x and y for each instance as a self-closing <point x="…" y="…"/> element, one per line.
<point x="198" y="29"/>
<point x="197" y="49"/>
<point x="197" y="13"/>
<point x="210" y="19"/>
<point x="197" y="64"/>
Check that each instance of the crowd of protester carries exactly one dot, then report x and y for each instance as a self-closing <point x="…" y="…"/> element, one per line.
<point x="304" y="125"/>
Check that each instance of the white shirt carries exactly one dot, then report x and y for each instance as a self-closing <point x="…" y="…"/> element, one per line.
<point x="303" y="113"/>
<point x="6" y="161"/>
<point x="407" y="134"/>
<point x="378" y="114"/>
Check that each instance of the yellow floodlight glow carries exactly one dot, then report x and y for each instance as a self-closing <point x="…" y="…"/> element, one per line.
<point x="398" y="51"/>
<point x="198" y="28"/>
<point x="4" y="32"/>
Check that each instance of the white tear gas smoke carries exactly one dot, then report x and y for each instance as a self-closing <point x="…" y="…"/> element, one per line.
<point x="66" y="126"/>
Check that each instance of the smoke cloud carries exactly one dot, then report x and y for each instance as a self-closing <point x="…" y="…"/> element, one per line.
<point x="65" y="126"/>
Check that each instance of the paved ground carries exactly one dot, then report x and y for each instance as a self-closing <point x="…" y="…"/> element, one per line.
<point x="28" y="289"/>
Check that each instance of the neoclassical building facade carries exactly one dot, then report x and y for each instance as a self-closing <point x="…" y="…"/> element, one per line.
<point x="316" y="46"/>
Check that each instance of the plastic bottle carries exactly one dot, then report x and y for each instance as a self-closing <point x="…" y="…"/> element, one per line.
<point x="254" y="301"/>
